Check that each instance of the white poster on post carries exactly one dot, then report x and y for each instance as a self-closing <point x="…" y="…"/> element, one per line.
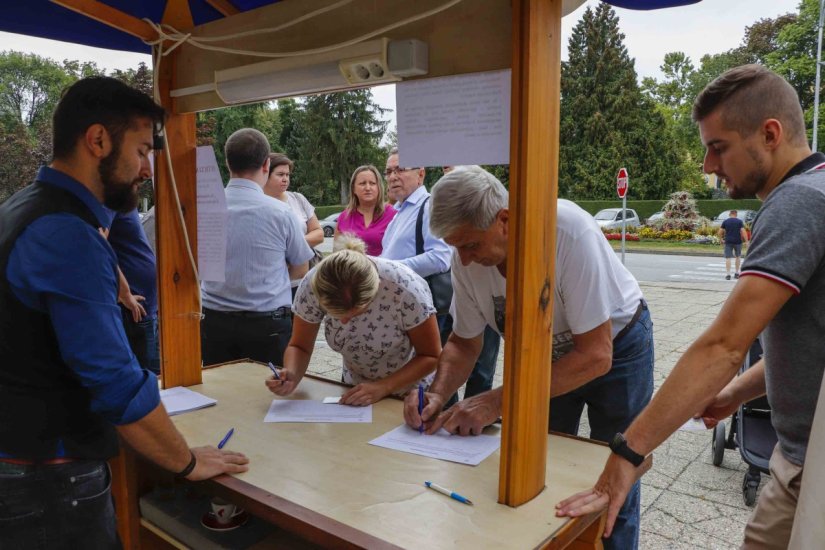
<point x="211" y="217"/>
<point x="454" y="120"/>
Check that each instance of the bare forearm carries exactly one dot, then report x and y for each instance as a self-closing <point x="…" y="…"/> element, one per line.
<point x="455" y="364"/>
<point x="315" y="237"/>
<point x="123" y="290"/>
<point x="695" y="380"/>
<point x="750" y="385"/>
<point x="418" y="367"/>
<point x="575" y="370"/>
<point x="296" y="359"/>
<point x="297" y="271"/>
<point x="155" y="437"/>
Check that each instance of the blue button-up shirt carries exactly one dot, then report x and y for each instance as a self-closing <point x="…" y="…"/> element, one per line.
<point x="263" y="235"/>
<point x="399" y="239"/>
<point x="63" y="267"/>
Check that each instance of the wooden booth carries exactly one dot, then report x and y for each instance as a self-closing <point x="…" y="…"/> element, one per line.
<point x="315" y="485"/>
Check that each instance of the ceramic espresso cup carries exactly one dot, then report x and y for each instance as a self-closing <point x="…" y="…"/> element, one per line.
<point x="223" y="510"/>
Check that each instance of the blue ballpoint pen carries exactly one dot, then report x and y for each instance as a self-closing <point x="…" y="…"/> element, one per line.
<point x="451" y="494"/>
<point x="226" y="438"/>
<point x="274" y="370"/>
<point x="421" y="407"/>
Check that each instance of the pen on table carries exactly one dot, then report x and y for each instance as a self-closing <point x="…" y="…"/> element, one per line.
<point x="421" y="407"/>
<point x="226" y="438"/>
<point x="274" y="370"/>
<point x="451" y="494"/>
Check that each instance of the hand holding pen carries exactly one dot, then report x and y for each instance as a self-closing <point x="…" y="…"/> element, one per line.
<point x="282" y="382"/>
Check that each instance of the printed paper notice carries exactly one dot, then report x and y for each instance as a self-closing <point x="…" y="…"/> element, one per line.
<point x="442" y="445"/>
<point x="180" y="400"/>
<point x="454" y="120"/>
<point x="303" y="410"/>
<point x="211" y="217"/>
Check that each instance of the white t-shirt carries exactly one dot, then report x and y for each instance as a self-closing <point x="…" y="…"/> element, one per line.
<point x="591" y="286"/>
<point x="375" y="343"/>
<point x="301" y="206"/>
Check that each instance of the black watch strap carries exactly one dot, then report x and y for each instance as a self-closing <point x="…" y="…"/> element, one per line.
<point x="189" y="467"/>
<point x="619" y="446"/>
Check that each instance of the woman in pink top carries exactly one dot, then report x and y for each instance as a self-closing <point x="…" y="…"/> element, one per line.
<point x="367" y="214"/>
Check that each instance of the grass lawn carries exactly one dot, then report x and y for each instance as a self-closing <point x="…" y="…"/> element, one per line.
<point x="672" y="247"/>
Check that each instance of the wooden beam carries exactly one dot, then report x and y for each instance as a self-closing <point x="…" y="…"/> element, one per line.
<point x="178" y="287"/>
<point x="178" y="15"/>
<point x="224" y="6"/>
<point x="110" y="16"/>
<point x="534" y="145"/>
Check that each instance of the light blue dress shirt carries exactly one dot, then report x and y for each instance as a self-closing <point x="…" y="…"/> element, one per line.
<point x="399" y="239"/>
<point x="262" y="237"/>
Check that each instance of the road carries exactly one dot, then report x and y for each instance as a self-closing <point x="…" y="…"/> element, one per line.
<point x="657" y="267"/>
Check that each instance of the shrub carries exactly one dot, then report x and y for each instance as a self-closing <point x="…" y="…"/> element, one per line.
<point x="676" y="235"/>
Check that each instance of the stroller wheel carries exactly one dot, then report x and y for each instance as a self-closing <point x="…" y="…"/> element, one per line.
<point x="749" y="493"/>
<point x="718" y="445"/>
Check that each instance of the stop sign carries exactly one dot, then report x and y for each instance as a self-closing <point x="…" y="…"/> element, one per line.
<point x="621" y="183"/>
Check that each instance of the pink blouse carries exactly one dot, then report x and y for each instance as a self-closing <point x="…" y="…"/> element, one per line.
<point x="353" y="222"/>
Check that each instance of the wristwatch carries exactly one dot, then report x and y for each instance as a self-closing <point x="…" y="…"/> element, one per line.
<point x="619" y="446"/>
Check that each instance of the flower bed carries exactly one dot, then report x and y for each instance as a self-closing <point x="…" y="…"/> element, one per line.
<point x="618" y="237"/>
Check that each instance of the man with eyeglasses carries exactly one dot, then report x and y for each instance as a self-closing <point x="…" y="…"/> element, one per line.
<point x="406" y="187"/>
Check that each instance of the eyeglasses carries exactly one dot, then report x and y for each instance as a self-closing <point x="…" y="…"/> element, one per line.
<point x="397" y="170"/>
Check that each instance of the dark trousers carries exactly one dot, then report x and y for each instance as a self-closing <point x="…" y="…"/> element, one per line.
<point x="143" y="339"/>
<point x="61" y="506"/>
<point x="226" y="336"/>
<point x="613" y="401"/>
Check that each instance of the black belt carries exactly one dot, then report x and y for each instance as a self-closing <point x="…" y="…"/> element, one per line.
<point x="280" y="313"/>
<point x="628" y="326"/>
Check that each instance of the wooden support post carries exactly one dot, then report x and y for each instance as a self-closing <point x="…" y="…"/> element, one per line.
<point x="531" y="247"/>
<point x="178" y="287"/>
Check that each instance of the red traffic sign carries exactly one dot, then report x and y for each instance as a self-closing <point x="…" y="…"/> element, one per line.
<point x="621" y="183"/>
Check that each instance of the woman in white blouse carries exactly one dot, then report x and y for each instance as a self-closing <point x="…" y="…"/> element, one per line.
<point x="378" y="314"/>
<point x="280" y="167"/>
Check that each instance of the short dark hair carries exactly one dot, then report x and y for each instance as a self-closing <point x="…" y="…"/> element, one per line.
<point x="748" y="95"/>
<point x="279" y="159"/>
<point x="246" y="149"/>
<point x="100" y="100"/>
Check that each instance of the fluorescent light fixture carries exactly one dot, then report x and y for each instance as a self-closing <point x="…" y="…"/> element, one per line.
<point x="364" y="64"/>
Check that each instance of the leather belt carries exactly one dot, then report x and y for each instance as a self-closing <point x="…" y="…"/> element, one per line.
<point x="49" y="462"/>
<point x="621" y="334"/>
<point x="280" y="313"/>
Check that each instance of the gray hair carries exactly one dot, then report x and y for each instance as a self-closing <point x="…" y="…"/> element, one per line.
<point x="467" y="195"/>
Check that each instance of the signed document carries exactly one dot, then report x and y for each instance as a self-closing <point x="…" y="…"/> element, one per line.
<point x="304" y="410"/>
<point x="442" y="445"/>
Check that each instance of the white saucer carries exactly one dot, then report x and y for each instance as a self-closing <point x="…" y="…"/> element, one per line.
<point x="209" y="521"/>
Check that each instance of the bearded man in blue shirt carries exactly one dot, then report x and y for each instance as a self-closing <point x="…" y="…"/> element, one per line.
<point x="69" y="384"/>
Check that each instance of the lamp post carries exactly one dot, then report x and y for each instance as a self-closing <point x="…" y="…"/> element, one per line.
<point x="818" y="71"/>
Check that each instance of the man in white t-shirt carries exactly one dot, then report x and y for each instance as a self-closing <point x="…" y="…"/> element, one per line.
<point x="602" y="332"/>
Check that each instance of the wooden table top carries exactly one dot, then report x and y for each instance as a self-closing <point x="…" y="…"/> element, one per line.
<point x="331" y="470"/>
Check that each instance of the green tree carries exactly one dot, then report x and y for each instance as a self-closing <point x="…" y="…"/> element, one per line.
<point x="606" y="121"/>
<point x="337" y="133"/>
<point x="30" y="86"/>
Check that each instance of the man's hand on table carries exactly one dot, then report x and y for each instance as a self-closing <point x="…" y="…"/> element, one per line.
<point x="433" y="403"/>
<point x="610" y="491"/>
<point x="212" y="462"/>
<point x="470" y="416"/>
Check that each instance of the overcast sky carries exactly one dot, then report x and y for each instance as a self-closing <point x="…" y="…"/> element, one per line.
<point x="711" y="26"/>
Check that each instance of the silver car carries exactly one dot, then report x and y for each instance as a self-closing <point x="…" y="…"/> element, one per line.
<point x="611" y="218"/>
<point x="329" y="224"/>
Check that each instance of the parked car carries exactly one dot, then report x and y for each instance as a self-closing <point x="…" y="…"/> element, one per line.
<point x="611" y="218"/>
<point x="329" y="224"/>
<point x="746" y="216"/>
<point x="655" y="217"/>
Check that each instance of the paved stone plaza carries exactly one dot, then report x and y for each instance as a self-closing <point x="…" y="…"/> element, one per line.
<point x="687" y="502"/>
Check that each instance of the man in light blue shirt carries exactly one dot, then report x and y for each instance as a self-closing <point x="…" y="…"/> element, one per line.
<point x="406" y="187"/>
<point x="249" y="314"/>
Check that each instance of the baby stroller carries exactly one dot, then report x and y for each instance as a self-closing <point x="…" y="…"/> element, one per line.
<point x="751" y="431"/>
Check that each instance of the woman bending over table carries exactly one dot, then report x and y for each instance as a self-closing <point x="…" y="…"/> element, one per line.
<point x="378" y="314"/>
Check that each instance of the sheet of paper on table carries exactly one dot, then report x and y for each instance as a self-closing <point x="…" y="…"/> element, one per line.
<point x="442" y="445"/>
<point x="694" y="425"/>
<point x="180" y="400"/>
<point x="305" y="410"/>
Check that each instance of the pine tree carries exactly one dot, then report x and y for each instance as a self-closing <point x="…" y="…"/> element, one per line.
<point x="606" y="121"/>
